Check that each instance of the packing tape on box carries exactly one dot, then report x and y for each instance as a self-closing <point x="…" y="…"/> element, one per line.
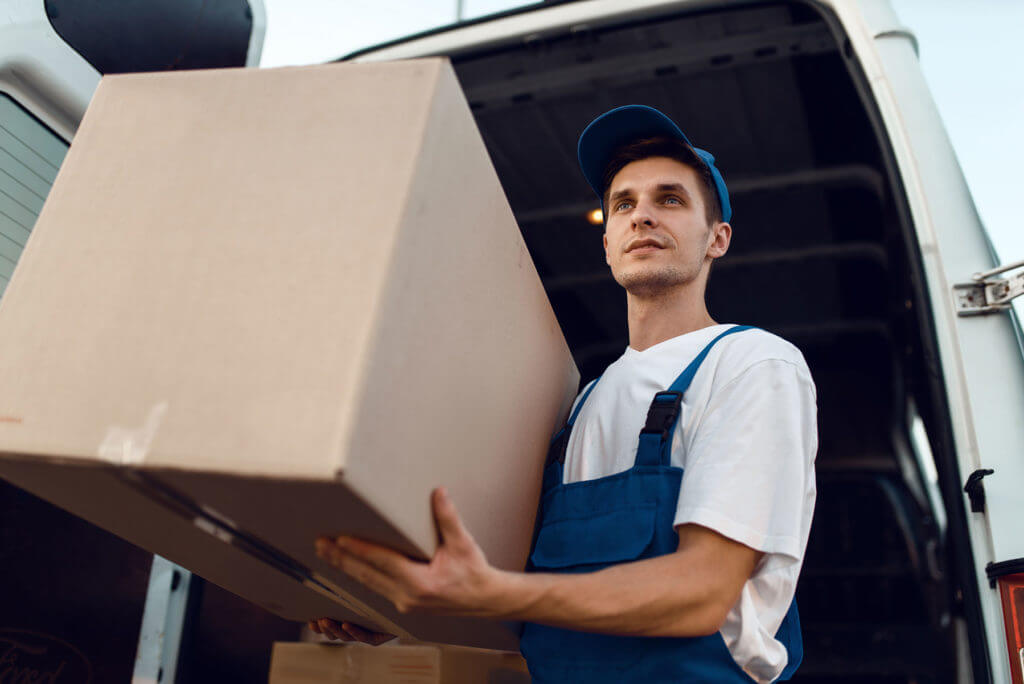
<point x="128" y="446"/>
<point x="221" y="527"/>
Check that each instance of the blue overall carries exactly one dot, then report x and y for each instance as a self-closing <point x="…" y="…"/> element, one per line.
<point x="589" y="525"/>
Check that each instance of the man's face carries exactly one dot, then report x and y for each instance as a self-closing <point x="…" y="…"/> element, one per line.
<point x="657" y="237"/>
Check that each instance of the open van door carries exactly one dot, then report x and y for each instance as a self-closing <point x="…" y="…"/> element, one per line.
<point x="978" y="336"/>
<point x="852" y="225"/>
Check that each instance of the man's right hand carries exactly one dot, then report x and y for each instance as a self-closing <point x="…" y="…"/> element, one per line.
<point x="347" y="631"/>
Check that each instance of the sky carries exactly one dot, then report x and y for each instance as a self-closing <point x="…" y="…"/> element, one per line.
<point x="968" y="52"/>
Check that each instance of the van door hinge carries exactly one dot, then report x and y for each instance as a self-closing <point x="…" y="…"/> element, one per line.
<point x="986" y="294"/>
<point x="976" y="491"/>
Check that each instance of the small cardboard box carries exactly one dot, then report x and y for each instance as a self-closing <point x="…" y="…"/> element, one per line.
<point x="298" y="663"/>
<point x="261" y="306"/>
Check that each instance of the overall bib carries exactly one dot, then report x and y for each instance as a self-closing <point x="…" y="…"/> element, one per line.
<point x="586" y="526"/>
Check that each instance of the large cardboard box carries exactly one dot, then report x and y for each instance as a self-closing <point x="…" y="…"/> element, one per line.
<point x="261" y="306"/>
<point x="297" y="663"/>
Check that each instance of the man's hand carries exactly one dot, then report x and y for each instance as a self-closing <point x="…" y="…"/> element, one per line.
<point x="347" y="631"/>
<point x="457" y="580"/>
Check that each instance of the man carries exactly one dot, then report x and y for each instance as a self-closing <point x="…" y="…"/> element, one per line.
<point x="673" y="523"/>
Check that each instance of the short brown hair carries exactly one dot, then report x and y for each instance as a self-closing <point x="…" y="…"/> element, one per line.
<point x="672" y="149"/>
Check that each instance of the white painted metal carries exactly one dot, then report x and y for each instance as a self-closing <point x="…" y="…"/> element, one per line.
<point x="587" y="13"/>
<point x="979" y="277"/>
<point x="40" y="71"/>
<point x="30" y="155"/>
<point x="163" y="622"/>
<point x="988" y="295"/>
<point x="259" y="32"/>
<point x="52" y="81"/>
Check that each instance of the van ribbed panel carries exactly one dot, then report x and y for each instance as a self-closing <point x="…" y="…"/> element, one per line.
<point x="30" y="155"/>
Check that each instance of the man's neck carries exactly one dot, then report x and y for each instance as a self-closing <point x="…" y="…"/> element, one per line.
<point x="666" y="315"/>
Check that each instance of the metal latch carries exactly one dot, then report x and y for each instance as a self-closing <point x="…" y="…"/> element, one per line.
<point x="987" y="294"/>
<point x="976" y="491"/>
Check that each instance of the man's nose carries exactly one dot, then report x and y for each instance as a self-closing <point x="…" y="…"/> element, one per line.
<point x="643" y="217"/>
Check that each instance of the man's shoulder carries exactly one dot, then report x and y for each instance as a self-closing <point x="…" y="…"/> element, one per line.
<point x="745" y="350"/>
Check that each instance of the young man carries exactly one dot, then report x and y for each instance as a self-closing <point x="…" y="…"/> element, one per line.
<point x="674" y="554"/>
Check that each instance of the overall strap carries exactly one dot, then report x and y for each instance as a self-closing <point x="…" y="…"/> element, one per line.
<point x="580" y="403"/>
<point x="655" y="446"/>
<point x="559" y="443"/>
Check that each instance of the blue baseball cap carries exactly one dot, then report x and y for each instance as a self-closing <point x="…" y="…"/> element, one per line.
<point x="623" y="125"/>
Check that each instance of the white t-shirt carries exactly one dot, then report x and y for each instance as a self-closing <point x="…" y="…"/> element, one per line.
<point x="746" y="439"/>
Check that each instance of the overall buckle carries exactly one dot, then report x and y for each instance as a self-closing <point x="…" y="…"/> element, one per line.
<point x="663" y="413"/>
<point x="557" y="447"/>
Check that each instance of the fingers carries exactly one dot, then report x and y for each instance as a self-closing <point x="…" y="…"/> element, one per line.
<point x="368" y="574"/>
<point x="366" y="636"/>
<point x="379" y="568"/>
<point x="348" y="631"/>
<point x="448" y="520"/>
<point x="332" y="630"/>
<point x="383" y="559"/>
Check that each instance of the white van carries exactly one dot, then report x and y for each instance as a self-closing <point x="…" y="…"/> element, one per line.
<point x="855" y="238"/>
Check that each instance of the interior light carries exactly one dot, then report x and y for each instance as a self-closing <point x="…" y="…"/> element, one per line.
<point x="596" y="217"/>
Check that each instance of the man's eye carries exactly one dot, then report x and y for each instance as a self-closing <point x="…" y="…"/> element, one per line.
<point x="623" y="205"/>
<point x="673" y="200"/>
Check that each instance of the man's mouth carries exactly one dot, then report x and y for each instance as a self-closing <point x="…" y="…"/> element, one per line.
<point x="644" y="245"/>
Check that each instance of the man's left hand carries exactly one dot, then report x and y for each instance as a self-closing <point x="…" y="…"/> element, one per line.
<point x="457" y="581"/>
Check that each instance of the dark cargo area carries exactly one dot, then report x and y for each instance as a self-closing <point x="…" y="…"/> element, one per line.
<point x="73" y="596"/>
<point x="819" y="256"/>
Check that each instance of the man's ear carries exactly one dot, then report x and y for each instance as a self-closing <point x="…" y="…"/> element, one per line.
<point x="720" y="237"/>
<point x="604" y="241"/>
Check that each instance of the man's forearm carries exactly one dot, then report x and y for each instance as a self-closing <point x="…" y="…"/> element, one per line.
<point x="643" y="598"/>
<point x="686" y="593"/>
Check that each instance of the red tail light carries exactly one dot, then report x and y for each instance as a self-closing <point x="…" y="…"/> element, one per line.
<point x="1011" y="588"/>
